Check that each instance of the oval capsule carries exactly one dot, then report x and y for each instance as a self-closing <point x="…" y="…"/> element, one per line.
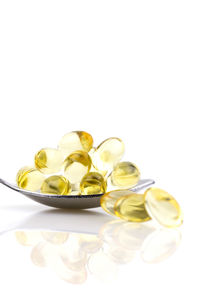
<point x="125" y="175"/>
<point x="49" y="160"/>
<point x="108" y="200"/>
<point x="75" y="140"/>
<point x="93" y="183"/>
<point x="29" y="178"/>
<point x="107" y="154"/>
<point x="76" y="165"/>
<point x="131" y="208"/>
<point x="56" y="185"/>
<point x="163" y="207"/>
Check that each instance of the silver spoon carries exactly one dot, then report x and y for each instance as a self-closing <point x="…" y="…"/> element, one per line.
<point x="70" y="201"/>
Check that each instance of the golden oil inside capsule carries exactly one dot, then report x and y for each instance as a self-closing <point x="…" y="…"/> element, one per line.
<point x="57" y="185"/>
<point x="108" y="200"/>
<point x="75" y="140"/>
<point x="30" y="179"/>
<point x="76" y="165"/>
<point x="125" y="175"/>
<point x="131" y="208"/>
<point x="163" y="207"/>
<point x="93" y="183"/>
<point x="107" y="154"/>
<point x="49" y="160"/>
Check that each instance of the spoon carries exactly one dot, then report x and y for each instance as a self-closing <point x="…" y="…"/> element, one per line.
<point x="70" y="201"/>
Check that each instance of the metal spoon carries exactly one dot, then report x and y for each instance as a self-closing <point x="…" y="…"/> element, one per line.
<point x="70" y="201"/>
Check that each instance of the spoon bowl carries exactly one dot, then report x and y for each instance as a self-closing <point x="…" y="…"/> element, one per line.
<point x="70" y="201"/>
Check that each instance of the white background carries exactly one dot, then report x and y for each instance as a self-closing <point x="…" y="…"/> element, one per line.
<point x="112" y="68"/>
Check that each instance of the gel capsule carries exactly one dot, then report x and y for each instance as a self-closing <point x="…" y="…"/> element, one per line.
<point x="131" y="208"/>
<point x="75" y="140"/>
<point x="125" y="175"/>
<point x="57" y="185"/>
<point x="30" y="179"/>
<point x="76" y="165"/>
<point x="49" y="160"/>
<point x="107" y="154"/>
<point x="163" y="207"/>
<point x="108" y="200"/>
<point x="93" y="183"/>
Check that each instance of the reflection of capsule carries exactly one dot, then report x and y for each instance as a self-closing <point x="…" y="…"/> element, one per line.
<point x="160" y="245"/>
<point x="71" y="253"/>
<point x="55" y="238"/>
<point x="132" y="235"/>
<point x="120" y="255"/>
<point x="69" y="275"/>
<point x="108" y="232"/>
<point x="38" y="255"/>
<point x="28" y="238"/>
<point x="90" y="243"/>
<point x="102" y="267"/>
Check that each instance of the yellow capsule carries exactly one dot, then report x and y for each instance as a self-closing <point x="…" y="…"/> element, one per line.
<point x="49" y="160"/>
<point x="125" y="175"/>
<point x="75" y="140"/>
<point x="93" y="183"/>
<point x="57" y="185"/>
<point x="76" y="165"/>
<point x="30" y="179"/>
<point x="108" y="154"/>
<point x="163" y="207"/>
<point x="131" y="208"/>
<point x="108" y="200"/>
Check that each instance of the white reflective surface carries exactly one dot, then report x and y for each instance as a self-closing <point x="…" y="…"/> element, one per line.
<point x="50" y="252"/>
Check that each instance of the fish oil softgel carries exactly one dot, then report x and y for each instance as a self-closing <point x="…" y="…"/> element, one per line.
<point x="93" y="183"/>
<point x="77" y="165"/>
<point x="108" y="154"/>
<point x="49" y="160"/>
<point x="131" y="208"/>
<point x="56" y="185"/>
<point x="163" y="207"/>
<point x="29" y="178"/>
<point x="125" y="204"/>
<point x="75" y="140"/>
<point x="109" y="199"/>
<point x="125" y="175"/>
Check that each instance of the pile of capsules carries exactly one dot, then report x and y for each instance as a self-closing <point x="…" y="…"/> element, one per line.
<point x="75" y="167"/>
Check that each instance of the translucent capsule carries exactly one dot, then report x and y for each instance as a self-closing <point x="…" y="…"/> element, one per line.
<point x="49" y="160"/>
<point x="76" y="165"/>
<point x="75" y="140"/>
<point x="125" y="175"/>
<point x="107" y="154"/>
<point x="57" y="185"/>
<point x="108" y="200"/>
<point x="93" y="183"/>
<point x="131" y="208"/>
<point x="30" y="179"/>
<point x="163" y="207"/>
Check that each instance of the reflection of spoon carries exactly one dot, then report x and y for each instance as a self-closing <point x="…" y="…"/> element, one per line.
<point x="70" y="201"/>
<point x="71" y="220"/>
